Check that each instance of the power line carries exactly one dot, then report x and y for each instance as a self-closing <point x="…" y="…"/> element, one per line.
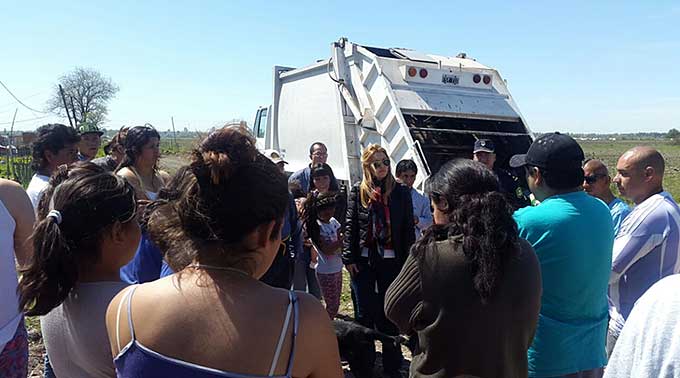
<point x="19" y="101"/>
<point x="25" y="120"/>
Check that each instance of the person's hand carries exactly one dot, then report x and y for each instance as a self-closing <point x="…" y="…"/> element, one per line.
<point x="307" y="243"/>
<point x="353" y="269"/>
<point x="416" y="220"/>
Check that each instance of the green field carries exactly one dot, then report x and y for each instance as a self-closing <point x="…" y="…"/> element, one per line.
<point x="609" y="152"/>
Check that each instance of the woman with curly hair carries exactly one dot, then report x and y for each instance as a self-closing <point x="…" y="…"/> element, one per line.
<point x="470" y="288"/>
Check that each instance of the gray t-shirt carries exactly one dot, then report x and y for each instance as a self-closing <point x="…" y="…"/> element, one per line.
<point x="75" y="334"/>
<point x="648" y="346"/>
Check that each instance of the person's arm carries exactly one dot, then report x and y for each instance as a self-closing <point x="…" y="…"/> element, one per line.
<point x="351" y="240"/>
<point x="20" y="208"/>
<point x="409" y="229"/>
<point x="630" y="248"/>
<point x="424" y="213"/>
<point x="403" y="299"/>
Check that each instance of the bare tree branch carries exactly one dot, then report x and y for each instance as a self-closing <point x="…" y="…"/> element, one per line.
<point x="90" y="91"/>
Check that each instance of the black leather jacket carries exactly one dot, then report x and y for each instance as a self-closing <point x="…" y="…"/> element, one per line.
<point x="356" y="224"/>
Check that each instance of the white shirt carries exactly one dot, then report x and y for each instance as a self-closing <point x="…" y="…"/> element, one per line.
<point x="328" y="232"/>
<point x="9" y="300"/>
<point x="648" y="346"/>
<point x="35" y="189"/>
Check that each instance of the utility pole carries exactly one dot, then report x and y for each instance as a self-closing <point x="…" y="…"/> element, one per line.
<point x="63" y="98"/>
<point x="174" y="134"/>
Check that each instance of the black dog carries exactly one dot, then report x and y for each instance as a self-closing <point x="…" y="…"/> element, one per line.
<point x="357" y="345"/>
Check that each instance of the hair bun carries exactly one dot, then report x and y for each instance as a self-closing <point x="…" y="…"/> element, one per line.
<point x="224" y="150"/>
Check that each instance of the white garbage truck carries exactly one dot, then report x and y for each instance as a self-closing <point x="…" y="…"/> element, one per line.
<point x="418" y="106"/>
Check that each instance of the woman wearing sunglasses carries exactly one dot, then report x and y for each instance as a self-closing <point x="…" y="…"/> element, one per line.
<point x="379" y="232"/>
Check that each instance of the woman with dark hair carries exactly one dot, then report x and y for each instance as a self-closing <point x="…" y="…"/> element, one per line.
<point x="55" y="145"/>
<point x="379" y="232"/>
<point x="140" y="163"/>
<point x="220" y="226"/>
<point x="140" y="168"/>
<point x="470" y="288"/>
<point x="89" y="232"/>
<point x="321" y="181"/>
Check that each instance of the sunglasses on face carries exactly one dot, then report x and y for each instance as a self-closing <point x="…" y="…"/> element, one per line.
<point x="380" y="163"/>
<point x="592" y="179"/>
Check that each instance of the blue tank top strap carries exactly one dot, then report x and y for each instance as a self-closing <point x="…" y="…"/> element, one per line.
<point x="296" y="322"/>
<point x="129" y="312"/>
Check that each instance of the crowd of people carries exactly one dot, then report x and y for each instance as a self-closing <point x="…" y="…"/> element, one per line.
<point x="229" y="268"/>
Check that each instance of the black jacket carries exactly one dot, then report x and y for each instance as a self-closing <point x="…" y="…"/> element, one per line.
<point x="356" y="224"/>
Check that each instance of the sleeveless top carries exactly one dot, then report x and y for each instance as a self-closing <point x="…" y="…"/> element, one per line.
<point x="10" y="317"/>
<point x="136" y="360"/>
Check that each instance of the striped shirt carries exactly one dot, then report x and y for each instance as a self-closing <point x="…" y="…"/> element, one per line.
<point x="646" y="249"/>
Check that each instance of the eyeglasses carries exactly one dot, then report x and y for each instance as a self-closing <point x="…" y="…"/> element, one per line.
<point x="592" y="178"/>
<point x="320" y="154"/>
<point x="380" y="163"/>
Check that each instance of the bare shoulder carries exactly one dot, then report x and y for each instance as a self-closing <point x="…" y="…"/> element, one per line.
<point x="127" y="173"/>
<point x="9" y="187"/>
<point x="14" y="197"/>
<point x="165" y="176"/>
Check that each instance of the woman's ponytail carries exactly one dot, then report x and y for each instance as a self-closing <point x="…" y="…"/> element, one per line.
<point x="53" y="272"/>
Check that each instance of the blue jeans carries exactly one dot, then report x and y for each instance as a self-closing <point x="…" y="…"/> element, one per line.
<point x="47" y="370"/>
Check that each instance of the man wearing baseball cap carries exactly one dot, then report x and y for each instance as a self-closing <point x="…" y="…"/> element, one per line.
<point x="485" y="152"/>
<point x="572" y="234"/>
<point x="90" y="140"/>
<point x="276" y="158"/>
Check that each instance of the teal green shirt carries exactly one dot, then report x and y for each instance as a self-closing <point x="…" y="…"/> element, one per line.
<point x="573" y="236"/>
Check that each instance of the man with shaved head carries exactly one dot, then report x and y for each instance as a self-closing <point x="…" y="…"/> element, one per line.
<point x="596" y="182"/>
<point x="647" y="247"/>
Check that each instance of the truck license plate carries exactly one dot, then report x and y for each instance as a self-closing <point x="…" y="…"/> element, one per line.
<point x="450" y="79"/>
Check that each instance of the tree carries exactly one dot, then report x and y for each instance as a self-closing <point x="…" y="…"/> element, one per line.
<point x="87" y="95"/>
<point x="673" y="134"/>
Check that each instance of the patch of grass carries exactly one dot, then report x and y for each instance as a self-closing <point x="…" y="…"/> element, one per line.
<point x="610" y="151"/>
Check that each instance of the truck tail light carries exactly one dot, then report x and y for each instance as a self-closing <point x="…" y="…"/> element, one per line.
<point x="477" y="78"/>
<point x="412" y="71"/>
<point x="487" y="79"/>
<point x="423" y="73"/>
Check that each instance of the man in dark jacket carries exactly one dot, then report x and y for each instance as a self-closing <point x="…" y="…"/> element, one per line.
<point x="485" y="153"/>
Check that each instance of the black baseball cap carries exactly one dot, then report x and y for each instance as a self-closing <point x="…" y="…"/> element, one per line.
<point x="551" y="151"/>
<point x="484" y="145"/>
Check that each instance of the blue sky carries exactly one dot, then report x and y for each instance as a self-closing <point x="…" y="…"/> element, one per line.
<point x="571" y="66"/>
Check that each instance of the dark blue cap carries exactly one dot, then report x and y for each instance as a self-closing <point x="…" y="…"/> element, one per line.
<point x="551" y="151"/>
<point x="484" y="145"/>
